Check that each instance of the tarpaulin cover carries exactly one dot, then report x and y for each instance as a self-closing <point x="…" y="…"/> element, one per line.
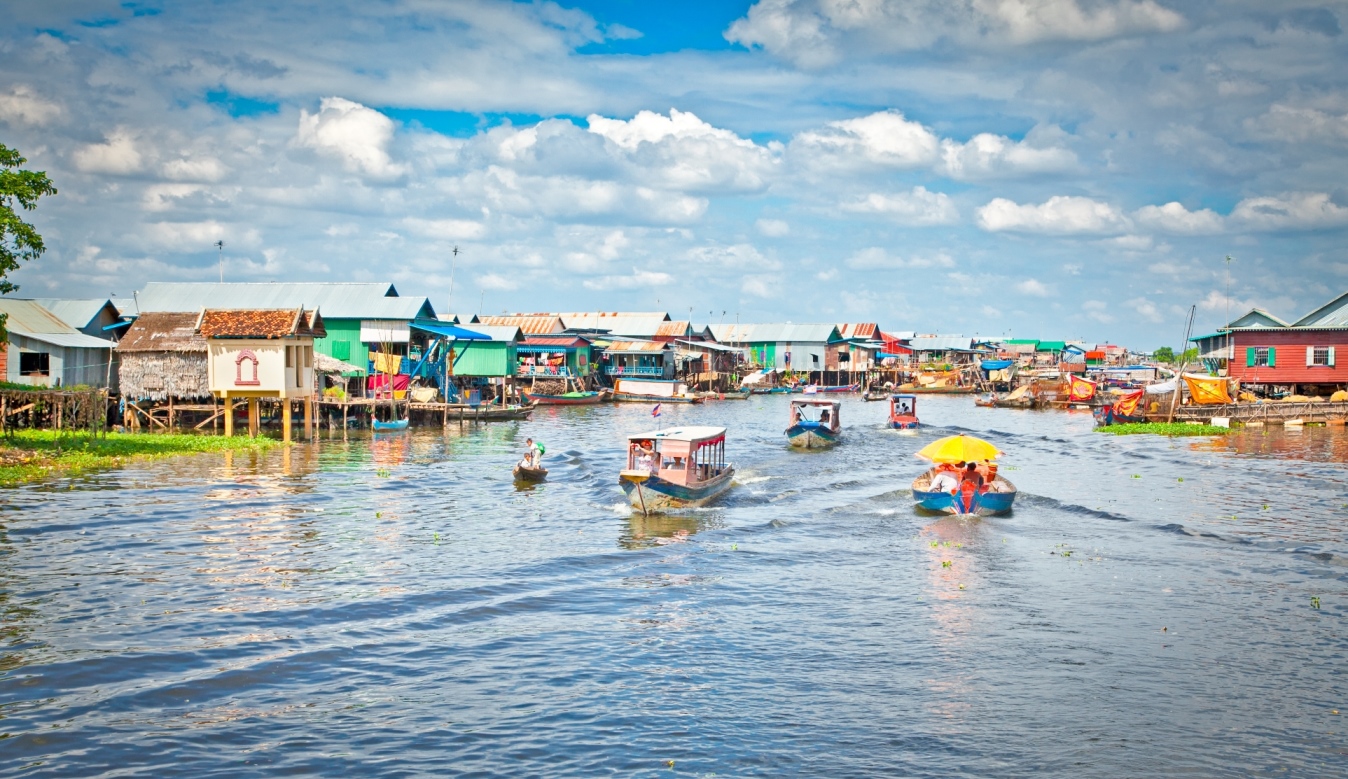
<point x="1081" y="389"/>
<point x="379" y="382"/>
<point x="995" y="365"/>
<point x="1207" y="390"/>
<point x="1126" y="405"/>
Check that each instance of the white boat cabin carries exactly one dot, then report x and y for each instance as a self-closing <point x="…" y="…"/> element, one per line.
<point x="687" y="456"/>
<point x="825" y="412"/>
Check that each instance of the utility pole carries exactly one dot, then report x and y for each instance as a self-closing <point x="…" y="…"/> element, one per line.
<point x="455" y="256"/>
<point x="1228" y="313"/>
<point x="220" y="256"/>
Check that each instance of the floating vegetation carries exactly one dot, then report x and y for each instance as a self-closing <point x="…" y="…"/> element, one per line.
<point x="1315" y="602"/>
<point x="34" y="455"/>
<point x="383" y="473"/>
<point x="1162" y="428"/>
<point x="947" y="563"/>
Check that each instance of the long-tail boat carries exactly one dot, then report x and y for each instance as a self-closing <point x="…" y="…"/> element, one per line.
<point x="963" y="494"/>
<point x="675" y="468"/>
<point x="815" y="423"/>
<point x="565" y="399"/>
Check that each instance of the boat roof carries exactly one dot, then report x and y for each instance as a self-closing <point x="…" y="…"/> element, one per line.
<point x="898" y="395"/>
<point x="815" y="402"/>
<point x="691" y="434"/>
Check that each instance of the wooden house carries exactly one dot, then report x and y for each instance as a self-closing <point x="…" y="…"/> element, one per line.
<point x="637" y="359"/>
<point x="555" y="356"/>
<point x="529" y="324"/>
<point x="262" y="353"/>
<point x="805" y="348"/>
<point x="162" y="357"/>
<point x="628" y="326"/>
<point x="1302" y="355"/>
<point x="97" y="317"/>
<point x="43" y="351"/>
<point x="942" y="349"/>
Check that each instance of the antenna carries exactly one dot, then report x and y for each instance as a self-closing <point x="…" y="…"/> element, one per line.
<point x="455" y="255"/>
<point x="220" y="253"/>
<point x="1228" y="306"/>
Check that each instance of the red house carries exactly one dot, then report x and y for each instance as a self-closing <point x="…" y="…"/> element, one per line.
<point x="1302" y="356"/>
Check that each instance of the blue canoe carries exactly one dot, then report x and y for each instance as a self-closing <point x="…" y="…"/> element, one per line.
<point x="966" y="501"/>
<point x="390" y="427"/>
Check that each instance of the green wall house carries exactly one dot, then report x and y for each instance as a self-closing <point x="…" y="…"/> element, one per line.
<point x="495" y="358"/>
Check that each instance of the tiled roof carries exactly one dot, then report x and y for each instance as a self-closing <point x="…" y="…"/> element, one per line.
<point x="570" y="341"/>
<point x="337" y="300"/>
<point x="260" y="323"/>
<point x="531" y="324"/>
<point x="785" y="332"/>
<point x="623" y="347"/>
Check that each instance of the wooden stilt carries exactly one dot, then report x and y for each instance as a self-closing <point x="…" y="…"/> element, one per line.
<point x="309" y="418"/>
<point x="229" y="416"/>
<point x="254" y="423"/>
<point x="286" y="406"/>
<point x="170" y="413"/>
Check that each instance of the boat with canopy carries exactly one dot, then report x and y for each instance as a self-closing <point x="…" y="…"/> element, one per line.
<point x="903" y="412"/>
<point x="815" y="423"/>
<point x="965" y="496"/>
<point x="678" y="467"/>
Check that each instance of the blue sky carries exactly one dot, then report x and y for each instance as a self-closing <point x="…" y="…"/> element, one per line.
<point x="1042" y="168"/>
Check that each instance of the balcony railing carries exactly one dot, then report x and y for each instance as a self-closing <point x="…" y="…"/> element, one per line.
<point x="546" y="370"/>
<point x="634" y="370"/>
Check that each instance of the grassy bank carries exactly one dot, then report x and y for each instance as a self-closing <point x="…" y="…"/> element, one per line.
<point x="33" y="455"/>
<point x="1163" y="428"/>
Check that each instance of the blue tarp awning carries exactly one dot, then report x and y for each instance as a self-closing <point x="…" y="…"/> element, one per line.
<point x="450" y="331"/>
<point x="996" y="365"/>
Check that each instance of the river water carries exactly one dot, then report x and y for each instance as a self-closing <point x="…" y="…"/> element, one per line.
<point x="398" y="607"/>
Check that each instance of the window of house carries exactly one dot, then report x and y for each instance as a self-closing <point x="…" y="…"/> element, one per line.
<point x="34" y="363"/>
<point x="1260" y="357"/>
<point x="1320" y="356"/>
<point x="290" y="356"/>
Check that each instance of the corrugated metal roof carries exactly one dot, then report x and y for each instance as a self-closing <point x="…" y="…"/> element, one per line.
<point x="711" y="346"/>
<point x="940" y="343"/>
<point x="1257" y="318"/>
<point x="531" y="324"/>
<point x="567" y="341"/>
<point x="1332" y="315"/>
<point x="70" y="340"/>
<point x="634" y="347"/>
<point x="28" y="317"/>
<point x="163" y="332"/>
<point x="632" y="326"/>
<point x="776" y="333"/>
<point x="451" y="318"/>
<point x="126" y="306"/>
<point x="498" y="332"/>
<point x="859" y="330"/>
<point x="333" y="300"/>
<point x="78" y="313"/>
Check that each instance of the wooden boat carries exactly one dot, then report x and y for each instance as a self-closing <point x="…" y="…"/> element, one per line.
<point x="489" y="413"/>
<point x="813" y="389"/>
<point x="653" y="391"/>
<point x="525" y="473"/>
<point x="920" y="390"/>
<point x="567" y="399"/>
<point x="1021" y="397"/>
<point x="825" y="429"/>
<point x="872" y="395"/>
<point x="903" y="412"/>
<point x="676" y="468"/>
<point x="966" y="500"/>
<point x="627" y="397"/>
<point x="390" y="427"/>
<point x="738" y="395"/>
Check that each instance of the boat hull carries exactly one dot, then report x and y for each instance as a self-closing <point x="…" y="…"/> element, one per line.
<point x="590" y="399"/>
<point x="390" y="427"/>
<point x="656" y="494"/>
<point x="625" y="397"/>
<point x="529" y="474"/>
<point x="806" y="435"/>
<point x="903" y="423"/>
<point x="838" y="388"/>
<point x="965" y="502"/>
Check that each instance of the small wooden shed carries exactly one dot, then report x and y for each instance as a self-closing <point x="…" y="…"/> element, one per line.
<point x="162" y="357"/>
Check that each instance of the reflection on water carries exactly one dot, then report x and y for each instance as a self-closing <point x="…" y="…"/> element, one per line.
<point x="397" y="605"/>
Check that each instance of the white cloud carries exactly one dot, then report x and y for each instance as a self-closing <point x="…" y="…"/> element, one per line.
<point x="496" y="282"/>
<point x="883" y="138"/>
<point x="682" y="152"/>
<point x="1295" y="125"/>
<point x="197" y="236"/>
<point x="1292" y="211"/>
<point x="759" y="287"/>
<point x="1175" y="218"/>
<point x="773" y="228"/>
<point x="876" y="258"/>
<point x="918" y="207"/>
<point x="1032" y="287"/>
<point x="987" y="156"/>
<point x="24" y="106"/>
<point x="203" y="169"/>
<point x="638" y="279"/>
<point x="1063" y="215"/>
<point x="1030" y="21"/>
<point x="445" y="229"/>
<point x="650" y="127"/>
<point x="118" y="156"/>
<point x="1146" y="309"/>
<point x="350" y="132"/>
<point x="1097" y="310"/>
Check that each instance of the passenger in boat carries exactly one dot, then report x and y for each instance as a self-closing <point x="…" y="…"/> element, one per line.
<point x="972" y="475"/>
<point x="645" y="460"/>
<point x="533" y="453"/>
<point x="983" y="473"/>
<point x="944" y="480"/>
<point x="824" y="417"/>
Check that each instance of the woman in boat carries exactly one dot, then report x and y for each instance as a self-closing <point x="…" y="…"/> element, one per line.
<point x="645" y="461"/>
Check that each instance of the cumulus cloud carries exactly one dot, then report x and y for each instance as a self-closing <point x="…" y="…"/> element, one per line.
<point x="352" y="133"/>
<point x="1175" y="218"/>
<point x="1297" y="125"/>
<point x="1146" y="309"/>
<point x="1098" y="311"/>
<point x="202" y="169"/>
<point x="877" y="258"/>
<point x="1032" y="287"/>
<point x="22" y="105"/>
<point x="988" y="156"/>
<point x="883" y="138"/>
<point x="1062" y="215"/>
<point x="445" y="229"/>
<point x="759" y="287"/>
<point x="685" y="153"/>
<point x="1292" y="211"/>
<point x="117" y="156"/>
<point x="817" y="33"/>
<point x="773" y="228"/>
<point x="917" y="207"/>
<point x="638" y="279"/>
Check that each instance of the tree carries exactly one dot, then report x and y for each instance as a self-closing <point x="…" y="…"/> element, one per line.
<point x="1164" y="354"/>
<point x="19" y="241"/>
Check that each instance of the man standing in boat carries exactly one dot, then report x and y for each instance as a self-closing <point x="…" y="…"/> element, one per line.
<point x="533" y="453"/>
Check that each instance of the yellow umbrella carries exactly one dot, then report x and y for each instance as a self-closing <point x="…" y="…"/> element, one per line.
<point x="959" y="449"/>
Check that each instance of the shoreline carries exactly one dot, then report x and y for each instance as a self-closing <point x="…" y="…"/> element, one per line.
<point x="31" y="456"/>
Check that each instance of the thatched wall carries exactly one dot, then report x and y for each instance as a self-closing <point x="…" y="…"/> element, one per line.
<point x="159" y="375"/>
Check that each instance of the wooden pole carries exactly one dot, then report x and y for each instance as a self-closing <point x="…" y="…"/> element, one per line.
<point x="229" y="415"/>
<point x="254" y="422"/>
<point x="286" y="407"/>
<point x="309" y="418"/>
<point x="170" y="414"/>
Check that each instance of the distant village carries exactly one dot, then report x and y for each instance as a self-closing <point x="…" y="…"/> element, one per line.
<point x="366" y="341"/>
